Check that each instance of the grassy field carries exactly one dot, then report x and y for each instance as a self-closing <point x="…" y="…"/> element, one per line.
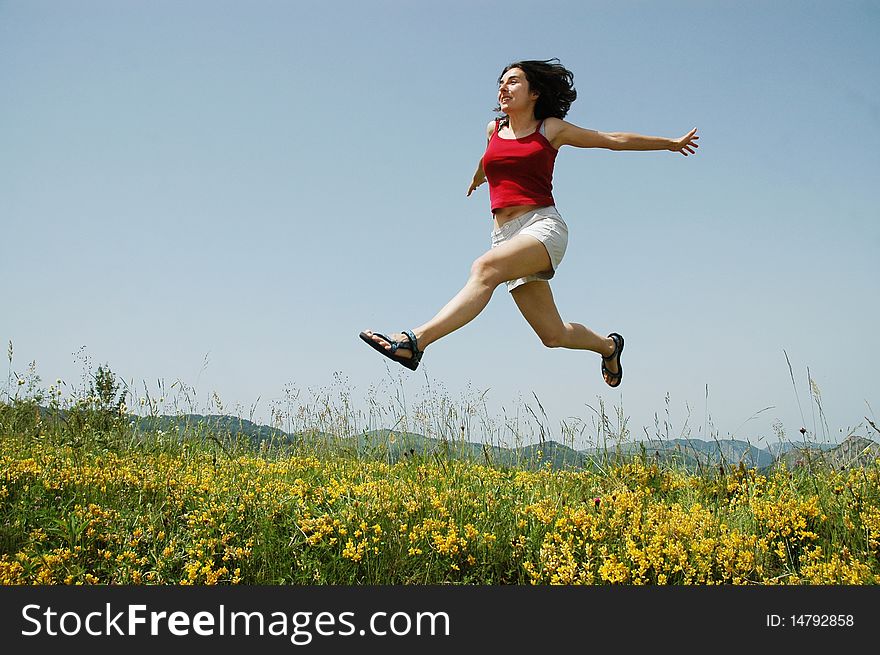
<point x="87" y="498"/>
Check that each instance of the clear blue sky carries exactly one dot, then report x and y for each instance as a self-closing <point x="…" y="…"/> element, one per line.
<point x="226" y="193"/>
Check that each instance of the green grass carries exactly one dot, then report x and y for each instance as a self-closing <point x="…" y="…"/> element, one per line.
<point x="87" y="496"/>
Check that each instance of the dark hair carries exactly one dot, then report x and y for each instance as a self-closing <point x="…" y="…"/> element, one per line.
<point x="553" y="82"/>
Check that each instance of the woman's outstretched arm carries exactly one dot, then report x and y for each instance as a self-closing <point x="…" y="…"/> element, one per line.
<point x="479" y="178"/>
<point x="562" y="133"/>
<point x="479" y="174"/>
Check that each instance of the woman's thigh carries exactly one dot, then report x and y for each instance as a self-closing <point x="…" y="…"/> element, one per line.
<point x="536" y="304"/>
<point x="521" y="256"/>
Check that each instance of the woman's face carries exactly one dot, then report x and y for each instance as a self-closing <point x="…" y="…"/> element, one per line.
<point x="514" y="93"/>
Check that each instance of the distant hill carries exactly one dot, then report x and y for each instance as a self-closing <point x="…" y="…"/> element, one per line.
<point x="691" y="454"/>
<point x="400" y="445"/>
<point x="697" y="453"/>
<point x="854" y="452"/>
<point x="217" y="424"/>
<point x="391" y="444"/>
<point x="779" y="448"/>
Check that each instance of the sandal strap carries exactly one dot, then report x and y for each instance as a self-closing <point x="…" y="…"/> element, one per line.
<point x="413" y="342"/>
<point x="414" y="345"/>
<point x="612" y="374"/>
<point x="616" y="347"/>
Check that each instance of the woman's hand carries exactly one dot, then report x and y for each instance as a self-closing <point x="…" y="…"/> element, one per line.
<point x="477" y="181"/>
<point x="686" y="144"/>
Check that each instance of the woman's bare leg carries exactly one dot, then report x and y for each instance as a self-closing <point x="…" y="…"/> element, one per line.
<point x="535" y="302"/>
<point x="521" y="256"/>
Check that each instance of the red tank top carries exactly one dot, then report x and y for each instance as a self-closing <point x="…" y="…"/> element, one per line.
<point x="519" y="171"/>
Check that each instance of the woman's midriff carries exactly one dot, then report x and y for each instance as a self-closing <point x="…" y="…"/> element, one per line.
<point x="506" y="214"/>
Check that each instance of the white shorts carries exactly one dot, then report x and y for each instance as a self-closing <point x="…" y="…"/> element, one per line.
<point x="547" y="226"/>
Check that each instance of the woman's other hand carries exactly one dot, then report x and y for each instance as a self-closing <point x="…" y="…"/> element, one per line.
<point x="687" y="144"/>
<point x="477" y="181"/>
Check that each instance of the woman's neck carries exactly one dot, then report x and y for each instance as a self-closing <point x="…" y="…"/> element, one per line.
<point x="521" y="121"/>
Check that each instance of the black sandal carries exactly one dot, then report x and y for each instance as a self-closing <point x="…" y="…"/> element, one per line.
<point x="615" y="378"/>
<point x="410" y="344"/>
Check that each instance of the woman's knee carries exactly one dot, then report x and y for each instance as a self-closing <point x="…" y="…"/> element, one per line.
<point x="485" y="271"/>
<point x="552" y="338"/>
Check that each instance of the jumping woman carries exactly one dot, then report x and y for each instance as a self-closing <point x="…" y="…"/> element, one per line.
<point x="530" y="237"/>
